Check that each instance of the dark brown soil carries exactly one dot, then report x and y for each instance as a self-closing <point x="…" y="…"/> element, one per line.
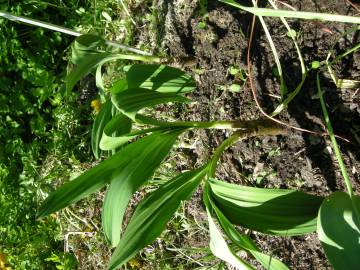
<point x="298" y="160"/>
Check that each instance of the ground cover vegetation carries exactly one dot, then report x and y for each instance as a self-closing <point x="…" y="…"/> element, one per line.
<point x="133" y="134"/>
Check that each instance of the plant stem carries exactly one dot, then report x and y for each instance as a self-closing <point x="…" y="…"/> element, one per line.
<point x="267" y="128"/>
<point x="218" y="152"/>
<point x="145" y="58"/>
<point x="283" y="88"/>
<point x="222" y="124"/>
<point x="295" y="14"/>
<point x="336" y="148"/>
<point x="64" y="30"/>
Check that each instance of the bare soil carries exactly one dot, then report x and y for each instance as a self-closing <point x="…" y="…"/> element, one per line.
<point x="298" y="160"/>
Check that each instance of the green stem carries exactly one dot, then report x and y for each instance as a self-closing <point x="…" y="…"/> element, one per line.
<point x="137" y="57"/>
<point x="295" y="14"/>
<point x="262" y="128"/>
<point x="142" y="119"/>
<point x="283" y="88"/>
<point x="353" y="49"/>
<point x="336" y="148"/>
<point x="294" y="93"/>
<point x="289" y="98"/>
<point x="218" y="152"/>
<point x="222" y="124"/>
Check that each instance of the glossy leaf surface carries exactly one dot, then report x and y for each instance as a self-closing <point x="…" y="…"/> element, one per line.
<point x="339" y="231"/>
<point x="85" y="46"/>
<point x="116" y="132"/>
<point x="160" y="78"/>
<point x="126" y="182"/>
<point x="85" y="66"/>
<point x="101" y="119"/>
<point x="218" y="245"/>
<point x="138" y="155"/>
<point x="152" y="214"/>
<point x="130" y="101"/>
<point x="243" y="241"/>
<point x="271" y="211"/>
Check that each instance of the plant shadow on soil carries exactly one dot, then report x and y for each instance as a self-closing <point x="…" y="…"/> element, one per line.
<point x="222" y="44"/>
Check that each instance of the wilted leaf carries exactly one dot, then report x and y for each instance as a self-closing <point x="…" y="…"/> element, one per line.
<point x="339" y="231"/>
<point x="271" y="211"/>
<point x="152" y="214"/>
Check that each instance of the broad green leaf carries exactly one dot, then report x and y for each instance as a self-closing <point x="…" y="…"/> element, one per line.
<point x="100" y="121"/>
<point x="97" y="59"/>
<point x="339" y="230"/>
<point x="160" y="78"/>
<point x="218" y="245"/>
<point x="119" y="86"/>
<point x="116" y="132"/>
<point x="124" y="185"/>
<point x="243" y="241"/>
<point x="138" y="155"/>
<point x="271" y="211"/>
<point x="130" y="101"/>
<point x="84" y="46"/>
<point x="84" y="67"/>
<point x="152" y="214"/>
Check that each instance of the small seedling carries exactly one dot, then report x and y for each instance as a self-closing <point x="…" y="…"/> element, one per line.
<point x="291" y="33"/>
<point x="315" y="64"/>
<point x="234" y="88"/>
<point x="201" y="25"/>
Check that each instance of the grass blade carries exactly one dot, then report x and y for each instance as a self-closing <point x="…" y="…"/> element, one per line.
<point x="271" y="211"/>
<point x="283" y="88"/>
<point x="294" y="93"/>
<point x="152" y="214"/>
<point x="64" y="30"/>
<point x="336" y="148"/>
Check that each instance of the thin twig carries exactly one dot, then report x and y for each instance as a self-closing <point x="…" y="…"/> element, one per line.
<point x="127" y="12"/>
<point x="353" y="5"/>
